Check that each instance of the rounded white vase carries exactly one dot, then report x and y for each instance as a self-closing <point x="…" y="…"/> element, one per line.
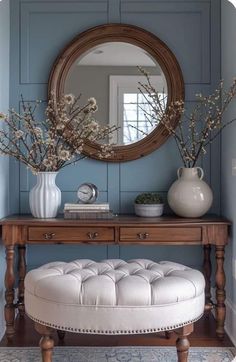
<point x="190" y="196"/>
<point x="45" y="196"/>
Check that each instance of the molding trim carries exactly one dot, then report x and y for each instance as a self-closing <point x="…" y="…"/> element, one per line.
<point x="2" y="331"/>
<point x="230" y="323"/>
<point x="2" y="320"/>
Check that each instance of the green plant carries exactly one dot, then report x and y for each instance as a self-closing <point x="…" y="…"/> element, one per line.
<point x="149" y="198"/>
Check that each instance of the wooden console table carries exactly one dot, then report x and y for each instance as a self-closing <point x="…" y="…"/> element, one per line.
<point x="21" y="230"/>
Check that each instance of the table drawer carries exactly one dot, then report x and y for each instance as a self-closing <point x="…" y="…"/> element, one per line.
<point x="162" y="234"/>
<point x="71" y="234"/>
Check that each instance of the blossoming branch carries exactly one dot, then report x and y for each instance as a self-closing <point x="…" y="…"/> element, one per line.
<point x="56" y="142"/>
<point x="195" y="130"/>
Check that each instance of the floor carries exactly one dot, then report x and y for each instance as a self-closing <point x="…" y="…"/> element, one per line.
<point x="203" y="335"/>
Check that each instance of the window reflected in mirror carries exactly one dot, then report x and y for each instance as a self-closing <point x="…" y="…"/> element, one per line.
<point x="129" y="108"/>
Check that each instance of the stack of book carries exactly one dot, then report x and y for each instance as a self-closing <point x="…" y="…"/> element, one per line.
<point x="87" y="211"/>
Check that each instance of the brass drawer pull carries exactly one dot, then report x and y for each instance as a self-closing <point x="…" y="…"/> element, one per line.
<point x="143" y="236"/>
<point x="48" y="236"/>
<point x="92" y="236"/>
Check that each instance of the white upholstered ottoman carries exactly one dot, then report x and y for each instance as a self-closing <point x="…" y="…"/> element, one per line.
<point x="114" y="297"/>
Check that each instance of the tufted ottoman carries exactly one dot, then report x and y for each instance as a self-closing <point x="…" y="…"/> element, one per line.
<point x="114" y="297"/>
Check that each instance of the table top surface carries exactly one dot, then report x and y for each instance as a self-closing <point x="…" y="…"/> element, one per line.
<point x="22" y="220"/>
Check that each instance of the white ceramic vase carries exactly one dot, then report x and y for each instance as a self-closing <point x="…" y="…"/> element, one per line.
<point x="45" y="196"/>
<point x="190" y="196"/>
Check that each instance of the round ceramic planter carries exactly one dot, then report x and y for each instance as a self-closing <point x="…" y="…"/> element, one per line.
<point x="45" y="196"/>
<point x="148" y="210"/>
<point x="190" y="196"/>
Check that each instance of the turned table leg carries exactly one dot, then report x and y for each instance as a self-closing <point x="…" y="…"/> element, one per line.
<point x="22" y="272"/>
<point x="207" y="268"/>
<point x="46" y="342"/>
<point x="220" y="291"/>
<point x="9" y="293"/>
<point x="182" y="343"/>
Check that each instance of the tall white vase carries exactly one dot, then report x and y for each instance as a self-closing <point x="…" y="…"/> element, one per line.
<point x="45" y="196"/>
<point x="190" y="196"/>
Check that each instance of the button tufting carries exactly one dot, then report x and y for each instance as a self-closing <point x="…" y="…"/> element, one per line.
<point x="114" y="288"/>
<point x="118" y="278"/>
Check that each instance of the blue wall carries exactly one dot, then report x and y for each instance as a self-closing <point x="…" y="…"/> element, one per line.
<point x="40" y="30"/>
<point x="228" y="190"/>
<point x="4" y="162"/>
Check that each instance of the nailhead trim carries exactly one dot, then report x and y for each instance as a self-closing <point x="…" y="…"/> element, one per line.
<point x="93" y="331"/>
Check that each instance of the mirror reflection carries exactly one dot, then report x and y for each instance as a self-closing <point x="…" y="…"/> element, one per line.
<point x="109" y="73"/>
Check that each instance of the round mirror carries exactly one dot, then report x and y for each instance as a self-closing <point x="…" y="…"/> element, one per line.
<point x="106" y="63"/>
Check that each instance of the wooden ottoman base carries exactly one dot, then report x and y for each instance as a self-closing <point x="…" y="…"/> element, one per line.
<point x="46" y="342"/>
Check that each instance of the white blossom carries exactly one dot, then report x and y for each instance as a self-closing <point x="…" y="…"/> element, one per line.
<point x="38" y="131"/>
<point x="47" y="162"/>
<point x="60" y="126"/>
<point x="69" y="99"/>
<point x="19" y="134"/>
<point x="64" y="155"/>
<point x="92" y="101"/>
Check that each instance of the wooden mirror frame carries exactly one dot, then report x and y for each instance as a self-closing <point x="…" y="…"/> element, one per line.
<point x="153" y="46"/>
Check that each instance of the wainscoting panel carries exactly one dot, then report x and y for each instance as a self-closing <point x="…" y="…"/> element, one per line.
<point x="164" y="163"/>
<point x="71" y="177"/>
<point x="45" y="32"/>
<point x="184" y="27"/>
<point x="41" y="29"/>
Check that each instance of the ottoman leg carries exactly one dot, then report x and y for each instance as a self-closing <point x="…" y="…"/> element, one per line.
<point x="182" y="342"/>
<point x="46" y="342"/>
